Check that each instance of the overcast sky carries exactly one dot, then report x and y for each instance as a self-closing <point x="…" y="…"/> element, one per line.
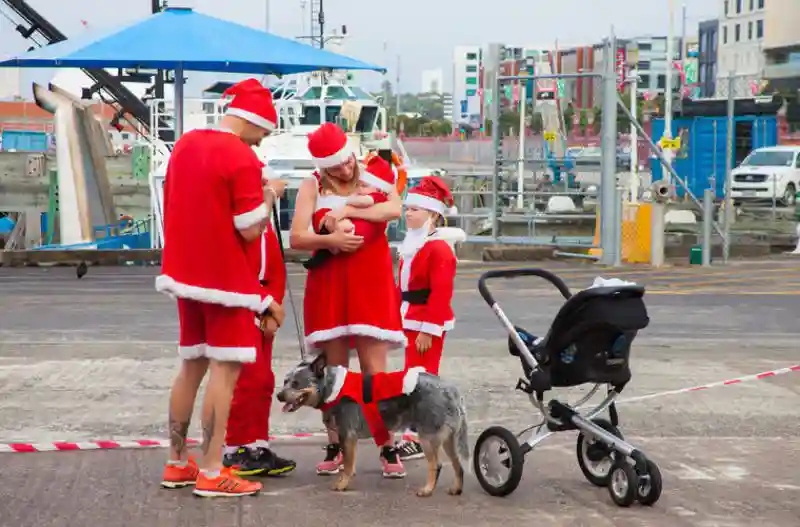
<point x="422" y="32"/>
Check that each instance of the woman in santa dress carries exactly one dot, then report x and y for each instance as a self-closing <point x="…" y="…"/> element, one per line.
<point x="350" y="298"/>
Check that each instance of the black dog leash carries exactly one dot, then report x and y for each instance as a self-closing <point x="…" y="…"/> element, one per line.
<point x="300" y="333"/>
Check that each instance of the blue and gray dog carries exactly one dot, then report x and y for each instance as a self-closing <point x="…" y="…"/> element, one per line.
<point x="434" y="409"/>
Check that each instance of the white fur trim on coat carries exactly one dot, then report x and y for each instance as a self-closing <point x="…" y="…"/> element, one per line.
<point x="397" y="339"/>
<point x="246" y="220"/>
<point x="450" y="235"/>
<point x="427" y="327"/>
<point x="168" y="285"/>
<point x="334" y="159"/>
<point x="339" y="374"/>
<point x="252" y="118"/>
<point x="375" y="181"/>
<point x="424" y="202"/>
<point x="411" y="379"/>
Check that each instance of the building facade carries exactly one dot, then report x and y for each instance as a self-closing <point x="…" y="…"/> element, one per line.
<point x="740" y="45"/>
<point x="467" y="85"/>
<point x="432" y="81"/>
<point x="781" y="45"/>
<point x="708" y="39"/>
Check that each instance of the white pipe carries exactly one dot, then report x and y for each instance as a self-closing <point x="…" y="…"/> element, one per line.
<point x="634" y="186"/>
<point x="521" y="156"/>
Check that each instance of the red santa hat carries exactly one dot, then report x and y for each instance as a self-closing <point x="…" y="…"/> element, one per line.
<point x="253" y="103"/>
<point x="432" y="194"/>
<point x="328" y="146"/>
<point x="379" y="174"/>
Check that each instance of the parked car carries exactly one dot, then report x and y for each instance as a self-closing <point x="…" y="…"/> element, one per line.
<point x="767" y="173"/>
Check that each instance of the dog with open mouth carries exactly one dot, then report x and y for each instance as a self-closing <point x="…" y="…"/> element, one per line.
<point x="361" y="406"/>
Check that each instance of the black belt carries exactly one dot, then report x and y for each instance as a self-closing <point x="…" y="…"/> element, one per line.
<point x="417" y="296"/>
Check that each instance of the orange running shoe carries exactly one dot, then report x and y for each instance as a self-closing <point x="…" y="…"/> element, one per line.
<point x="226" y="484"/>
<point x="176" y="477"/>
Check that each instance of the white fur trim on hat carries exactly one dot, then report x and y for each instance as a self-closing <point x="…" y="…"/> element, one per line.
<point x="334" y="159"/>
<point x="375" y="181"/>
<point x="251" y="118"/>
<point x="414" y="199"/>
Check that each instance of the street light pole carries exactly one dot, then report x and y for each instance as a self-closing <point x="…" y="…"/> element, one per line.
<point x="668" y="88"/>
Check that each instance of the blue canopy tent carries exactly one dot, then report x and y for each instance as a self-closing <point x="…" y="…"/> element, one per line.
<point x="181" y="39"/>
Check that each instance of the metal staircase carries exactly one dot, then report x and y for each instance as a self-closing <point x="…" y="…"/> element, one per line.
<point x="128" y="103"/>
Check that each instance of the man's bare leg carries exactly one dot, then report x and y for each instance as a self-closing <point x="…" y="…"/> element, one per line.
<point x="216" y="406"/>
<point x="181" y="403"/>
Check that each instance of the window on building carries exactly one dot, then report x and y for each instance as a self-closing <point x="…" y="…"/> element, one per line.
<point x="702" y="73"/>
<point x="713" y="42"/>
<point x="737" y="33"/>
<point x="761" y="4"/>
<point x="643" y="65"/>
<point x="472" y="56"/>
<point x="703" y="45"/>
<point x="726" y="7"/>
<point x="724" y="34"/>
<point x="644" y="82"/>
<point x="645" y="46"/>
<point x="472" y="81"/>
<point x="750" y="30"/>
<point x="759" y="29"/>
<point x="752" y="4"/>
<point x="738" y="6"/>
<point x="662" y="82"/>
<point x="472" y="69"/>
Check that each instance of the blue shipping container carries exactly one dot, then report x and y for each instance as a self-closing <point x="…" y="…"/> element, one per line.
<point x="703" y="148"/>
<point x="24" y="141"/>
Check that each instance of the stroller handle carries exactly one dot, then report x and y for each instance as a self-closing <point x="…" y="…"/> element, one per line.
<point x="515" y="273"/>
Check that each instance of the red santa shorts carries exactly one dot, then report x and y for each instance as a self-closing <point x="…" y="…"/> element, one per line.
<point x="217" y="332"/>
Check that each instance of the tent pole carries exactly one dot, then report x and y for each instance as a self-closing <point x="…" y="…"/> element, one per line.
<point x="178" y="102"/>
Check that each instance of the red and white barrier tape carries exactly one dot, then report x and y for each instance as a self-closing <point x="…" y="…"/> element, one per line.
<point x="62" y="446"/>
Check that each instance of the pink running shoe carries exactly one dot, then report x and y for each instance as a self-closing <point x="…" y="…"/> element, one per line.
<point x="392" y="466"/>
<point x="333" y="461"/>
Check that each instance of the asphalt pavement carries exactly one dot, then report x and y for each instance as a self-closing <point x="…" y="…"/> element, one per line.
<point x="92" y="359"/>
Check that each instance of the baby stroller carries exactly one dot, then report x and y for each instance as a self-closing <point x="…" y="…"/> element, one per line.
<point x="589" y="342"/>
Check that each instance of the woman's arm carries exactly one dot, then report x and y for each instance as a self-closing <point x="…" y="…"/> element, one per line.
<point x="390" y="210"/>
<point x="301" y="236"/>
<point x="305" y="239"/>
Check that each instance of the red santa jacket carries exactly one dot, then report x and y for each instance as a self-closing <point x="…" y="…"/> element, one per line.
<point x="212" y="189"/>
<point x="266" y="259"/>
<point x="426" y="287"/>
<point x="378" y="387"/>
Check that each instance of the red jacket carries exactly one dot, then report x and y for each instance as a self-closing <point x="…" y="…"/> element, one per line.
<point x="212" y="190"/>
<point x="350" y="384"/>
<point x="266" y="258"/>
<point x="431" y="269"/>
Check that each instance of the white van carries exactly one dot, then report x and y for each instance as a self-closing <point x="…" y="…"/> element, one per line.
<point x="766" y="173"/>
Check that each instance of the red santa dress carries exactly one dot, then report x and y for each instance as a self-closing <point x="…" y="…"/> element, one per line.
<point x="248" y="421"/>
<point x="426" y="274"/>
<point x="368" y="391"/>
<point x="351" y="294"/>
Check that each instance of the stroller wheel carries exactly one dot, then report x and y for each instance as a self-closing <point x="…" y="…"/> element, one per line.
<point x="498" y="461"/>
<point x="624" y="483"/>
<point x="649" y="488"/>
<point x="594" y="457"/>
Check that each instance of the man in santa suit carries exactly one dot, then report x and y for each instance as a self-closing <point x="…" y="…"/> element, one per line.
<point x="214" y="209"/>
<point x="247" y="440"/>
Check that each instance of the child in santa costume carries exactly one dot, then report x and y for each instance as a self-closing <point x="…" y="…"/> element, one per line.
<point x="247" y="446"/>
<point x="351" y="299"/>
<point x="427" y="273"/>
<point x="214" y="208"/>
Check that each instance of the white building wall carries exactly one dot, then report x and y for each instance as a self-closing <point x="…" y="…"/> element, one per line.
<point x="741" y="41"/>
<point x="466" y="83"/>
